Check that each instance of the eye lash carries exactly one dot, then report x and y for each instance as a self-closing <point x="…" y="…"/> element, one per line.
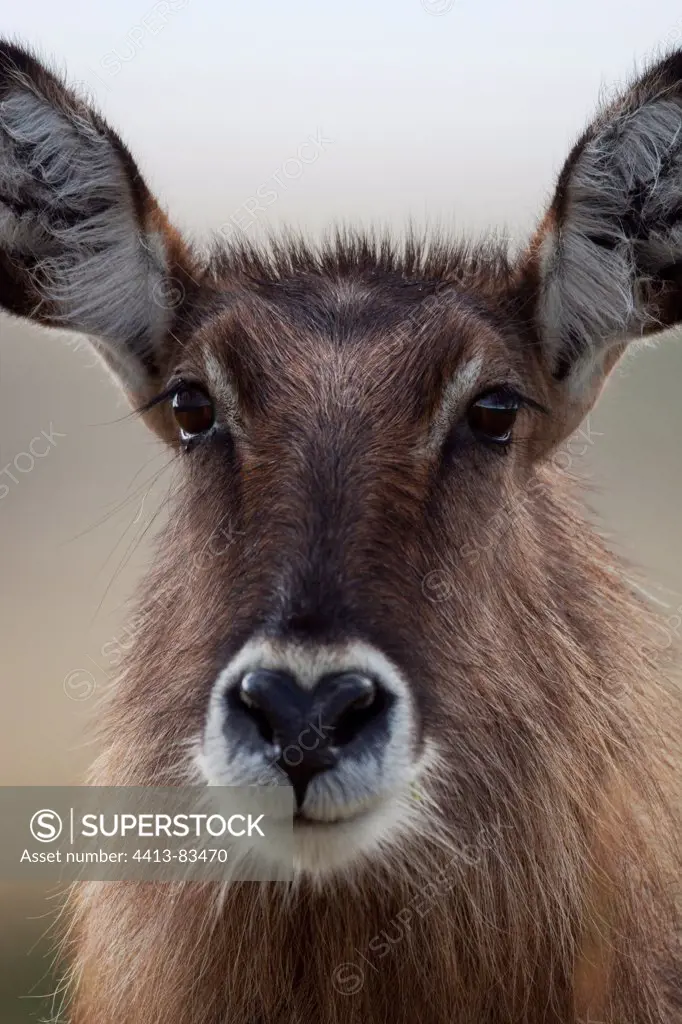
<point x="524" y="401"/>
<point x="163" y="396"/>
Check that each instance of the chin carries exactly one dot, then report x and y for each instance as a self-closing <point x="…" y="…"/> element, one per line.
<point x="346" y="846"/>
<point x="339" y="838"/>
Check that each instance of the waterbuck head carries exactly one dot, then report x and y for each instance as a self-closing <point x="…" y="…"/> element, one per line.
<point x="373" y="585"/>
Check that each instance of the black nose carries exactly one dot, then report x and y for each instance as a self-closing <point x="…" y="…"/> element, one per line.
<point x="307" y="729"/>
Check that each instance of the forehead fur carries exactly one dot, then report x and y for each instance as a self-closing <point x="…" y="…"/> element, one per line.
<point x="424" y="261"/>
<point x="368" y="308"/>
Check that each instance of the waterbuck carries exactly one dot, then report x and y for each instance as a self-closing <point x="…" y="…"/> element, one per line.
<point x="403" y="612"/>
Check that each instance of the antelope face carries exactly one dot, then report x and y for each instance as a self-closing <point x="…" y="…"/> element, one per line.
<point x="359" y="570"/>
<point x="342" y="432"/>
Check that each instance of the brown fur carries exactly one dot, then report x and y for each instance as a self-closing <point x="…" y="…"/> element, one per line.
<point x="549" y="858"/>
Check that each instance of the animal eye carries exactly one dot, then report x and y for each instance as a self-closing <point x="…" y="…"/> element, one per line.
<point x="193" y="410"/>
<point x="492" y="416"/>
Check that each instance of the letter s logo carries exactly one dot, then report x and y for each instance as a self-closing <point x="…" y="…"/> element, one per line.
<point x="46" y="826"/>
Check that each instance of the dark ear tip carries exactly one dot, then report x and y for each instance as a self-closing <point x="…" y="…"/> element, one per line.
<point x="22" y="67"/>
<point x="16" y="59"/>
<point x="665" y="72"/>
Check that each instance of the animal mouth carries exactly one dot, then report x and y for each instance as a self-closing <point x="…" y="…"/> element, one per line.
<point x="344" y="816"/>
<point x="336" y="723"/>
<point x="302" y="820"/>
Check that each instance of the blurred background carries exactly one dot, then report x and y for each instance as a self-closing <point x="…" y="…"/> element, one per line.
<point x="450" y="112"/>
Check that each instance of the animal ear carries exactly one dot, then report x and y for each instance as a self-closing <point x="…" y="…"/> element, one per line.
<point x="605" y="266"/>
<point x="83" y="244"/>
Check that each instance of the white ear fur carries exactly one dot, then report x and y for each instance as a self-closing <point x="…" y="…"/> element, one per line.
<point x="614" y="229"/>
<point x="76" y="250"/>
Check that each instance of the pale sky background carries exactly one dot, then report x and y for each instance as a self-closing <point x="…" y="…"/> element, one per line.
<point x="460" y="118"/>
